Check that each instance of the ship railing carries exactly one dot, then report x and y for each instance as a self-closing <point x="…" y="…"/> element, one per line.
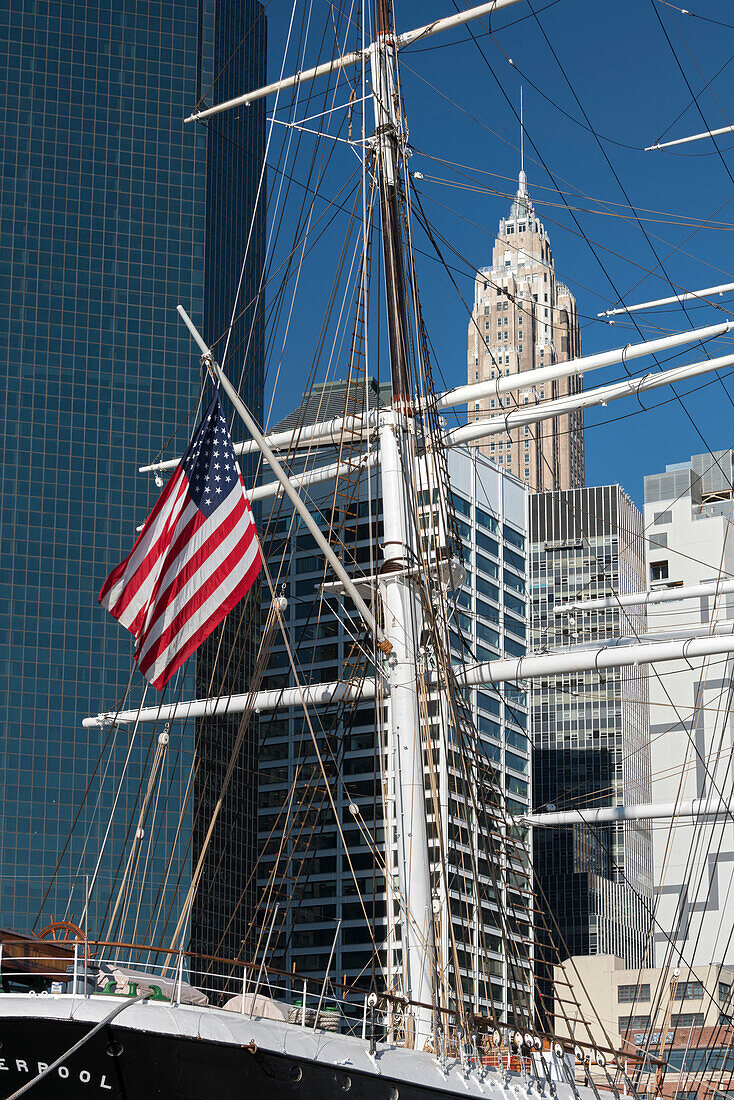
<point x="252" y="989"/>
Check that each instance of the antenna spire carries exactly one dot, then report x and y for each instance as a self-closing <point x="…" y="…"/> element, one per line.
<point x="523" y="179"/>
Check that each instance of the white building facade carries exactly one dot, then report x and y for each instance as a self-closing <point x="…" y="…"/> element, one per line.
<point x="688" y="523"/>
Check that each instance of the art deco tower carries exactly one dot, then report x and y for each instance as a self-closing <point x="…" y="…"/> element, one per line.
<point x="524" y="319"/>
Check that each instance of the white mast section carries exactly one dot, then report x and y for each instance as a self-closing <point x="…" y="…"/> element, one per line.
<point x="693" y="137"/>
<point x="685" y="296"/>
<point x="596" y="659"/>
<point x="357" y="57"/>
<point x="646" y="811"/>
<point x="285" y="484"/>
<point x="526" y="379"/>
<point x="650" y="596"/>
<point x="529" y="414"/>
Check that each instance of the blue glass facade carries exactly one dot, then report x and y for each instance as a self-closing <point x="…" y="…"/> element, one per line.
<point x="112" y="211"/>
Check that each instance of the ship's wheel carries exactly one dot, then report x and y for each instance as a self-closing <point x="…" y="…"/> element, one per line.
<point x="64" y="931"/>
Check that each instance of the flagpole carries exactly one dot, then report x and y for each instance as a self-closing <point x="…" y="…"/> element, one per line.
<point x="384" y="644"/>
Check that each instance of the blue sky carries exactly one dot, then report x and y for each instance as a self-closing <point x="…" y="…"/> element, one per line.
<point x="615" y="57"/>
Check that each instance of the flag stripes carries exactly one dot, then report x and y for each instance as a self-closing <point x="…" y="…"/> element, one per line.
<point x="194" y="560"/>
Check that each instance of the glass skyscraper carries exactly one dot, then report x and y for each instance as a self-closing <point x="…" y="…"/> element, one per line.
<point x="316" y="857"/>
<point x="113" y="211"/>
<point x="590" y="731"/>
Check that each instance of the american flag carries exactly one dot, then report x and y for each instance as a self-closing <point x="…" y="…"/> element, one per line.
<point x="195" y="558"/>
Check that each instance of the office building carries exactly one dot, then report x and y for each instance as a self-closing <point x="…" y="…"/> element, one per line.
<point x="590" y="731"/>
<point x="688" y="522"/>
<point x="304" y="864"/>
<point x="113" y="211"/>
<point x="523" y="319"/>
<point x="672" y="1024"/>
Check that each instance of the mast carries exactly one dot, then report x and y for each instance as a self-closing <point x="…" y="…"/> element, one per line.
<point x="403" y="613"/>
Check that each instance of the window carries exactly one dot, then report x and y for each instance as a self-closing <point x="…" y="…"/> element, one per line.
<point x="485" y="520"/>
<point x="686" y="1019"/>
<point x="460" y="504"/>
<point x="626" y="1023"/>
<point x="687" y="991"/>
<point x="658" y="570"/>
<point x="628" y="993"/>
<point x="513" y="537"/>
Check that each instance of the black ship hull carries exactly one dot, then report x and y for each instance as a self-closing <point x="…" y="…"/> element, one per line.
<point x="185" y="1053"/>
<point x="122" y="1064"/>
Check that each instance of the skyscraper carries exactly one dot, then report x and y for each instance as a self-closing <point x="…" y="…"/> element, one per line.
<point x="590" y="732"/>
<point x="523" y="318"/>
<point x="688" y="520"/>
<point x="113" y="211"/>
<point x="304" y="864"/>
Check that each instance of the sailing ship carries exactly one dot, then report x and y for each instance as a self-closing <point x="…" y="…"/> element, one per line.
<point x="80" y="1018"/>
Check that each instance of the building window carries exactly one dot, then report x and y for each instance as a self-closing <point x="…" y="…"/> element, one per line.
<point x="687" y="991"/>
<point x="628" y="993"/>
<point x="658" y="570"/>
<point x="626" y="1023"/>
<point x="686" y="1019"/>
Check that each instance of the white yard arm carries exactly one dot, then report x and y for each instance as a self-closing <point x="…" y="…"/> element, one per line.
<point x="357" y="57"/>
<point x="684" y="296"/>
<point x="595" y="659"/>
<point x="332" y="432"/>
<point x="314" y="477"/>
<point x="317" y="695"/>
<point x="646" y="811"/>
<point x="494" y="672"/>
<point x="650" y="596"/>
<point x="693" y="137"/>
<point x="324" y="433"/>
<point x="629" y="387"/>
<point x="526" y="379"/>
<point x="700" y="630"/>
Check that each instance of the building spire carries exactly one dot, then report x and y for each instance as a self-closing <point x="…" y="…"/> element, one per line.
<point x="523" y="179"/>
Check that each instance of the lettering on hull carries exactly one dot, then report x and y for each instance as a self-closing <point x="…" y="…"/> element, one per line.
<point x="32" y="1068"/>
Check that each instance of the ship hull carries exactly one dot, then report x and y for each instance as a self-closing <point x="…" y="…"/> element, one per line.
<point x="180" y="1052"/>
<point x="121" y="1064"/>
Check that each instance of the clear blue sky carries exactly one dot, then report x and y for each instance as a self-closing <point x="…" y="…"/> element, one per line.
<point x="627" y="80"/>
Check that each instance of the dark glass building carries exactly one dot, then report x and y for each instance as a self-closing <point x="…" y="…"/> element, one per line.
<point x="113" y="211"/>
<point x="590" y="731"/>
